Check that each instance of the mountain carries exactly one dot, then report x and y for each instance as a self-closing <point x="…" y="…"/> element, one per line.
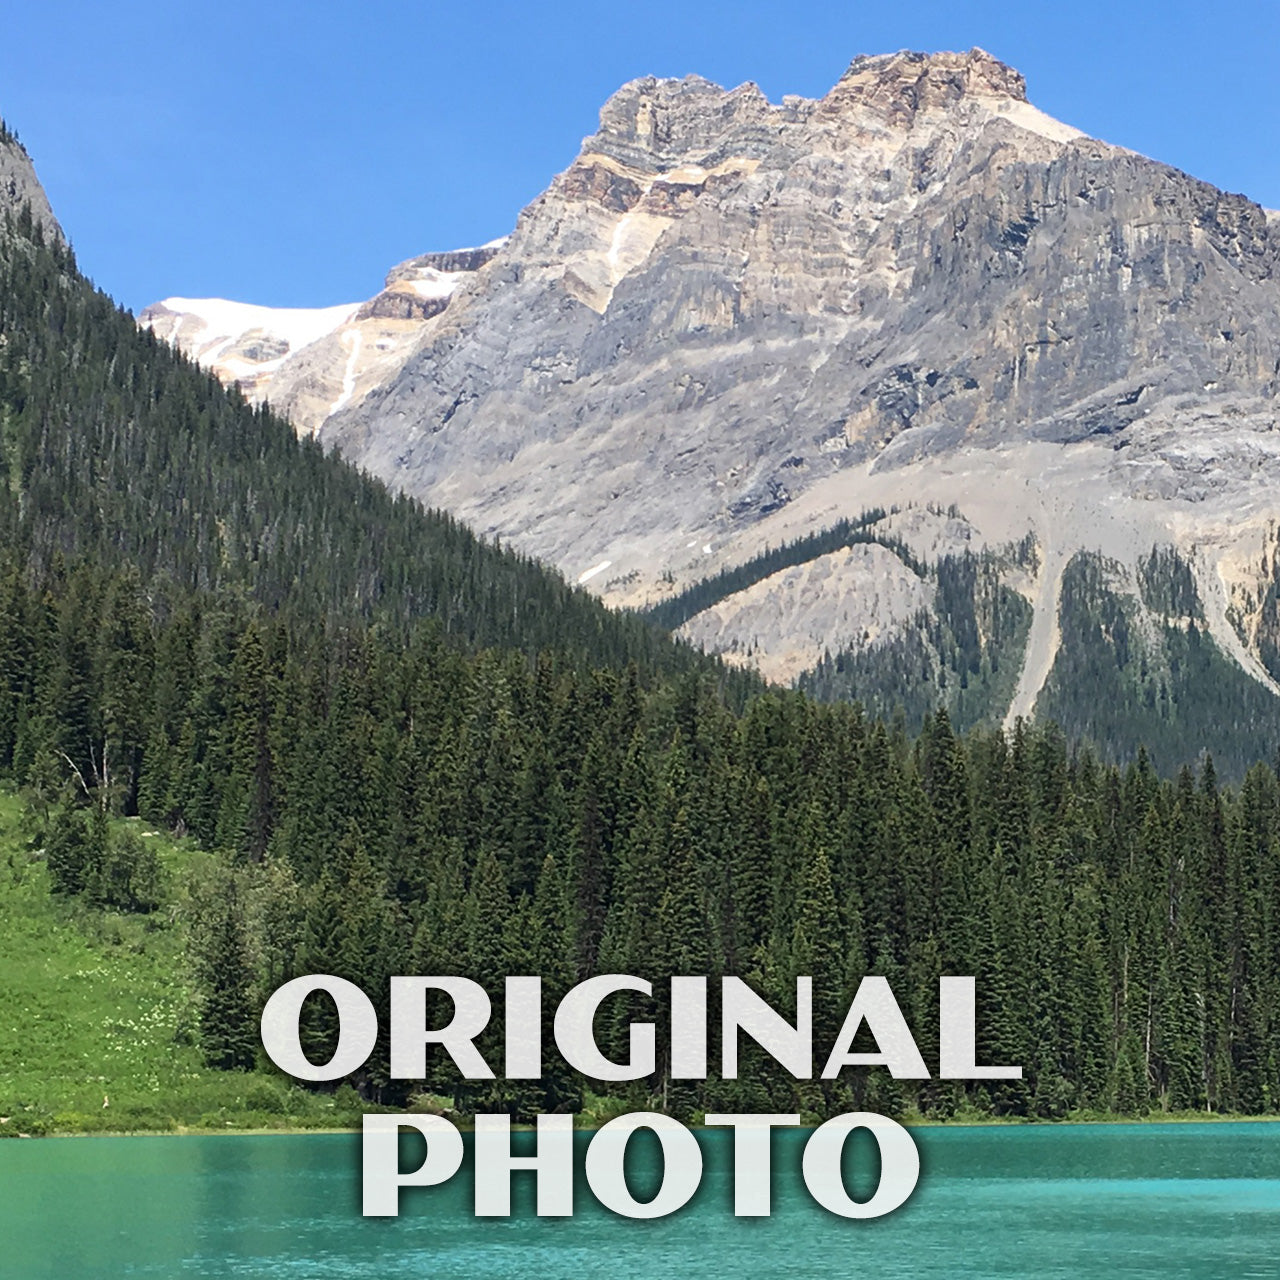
<point x="392" y="747"/>
<point x="119" y="452"/>
<point x="313" y="362"/>
<point x="731" y="324"/>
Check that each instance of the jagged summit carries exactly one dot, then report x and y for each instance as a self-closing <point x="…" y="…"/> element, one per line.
<point x="656" y="124"/>
<point x="929" y="79"/>
<point x="661" y="123"/>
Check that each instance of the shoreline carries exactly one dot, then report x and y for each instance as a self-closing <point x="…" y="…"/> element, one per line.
<point x="182" y="1131"/>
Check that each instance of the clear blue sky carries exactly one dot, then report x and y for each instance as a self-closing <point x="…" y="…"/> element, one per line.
<point x="289" y="153"/>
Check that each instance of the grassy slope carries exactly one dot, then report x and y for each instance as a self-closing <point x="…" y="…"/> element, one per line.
<point x="97" y="1005"/>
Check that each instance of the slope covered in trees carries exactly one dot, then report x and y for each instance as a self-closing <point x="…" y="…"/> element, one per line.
<point x="115" y="448"/>
<point x="1142" y="666"/>
<point x="413" y="753"/>
<point x="964" y="655"/>
<point x="109" y="1029"/>
<point x="408" y="807"/>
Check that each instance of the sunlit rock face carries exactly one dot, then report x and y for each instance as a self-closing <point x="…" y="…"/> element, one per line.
<point x="20" y="187"/>
<point x="732" y="322"/>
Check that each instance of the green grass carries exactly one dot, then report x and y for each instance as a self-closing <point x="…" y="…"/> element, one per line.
<point x="100" y="1007"/>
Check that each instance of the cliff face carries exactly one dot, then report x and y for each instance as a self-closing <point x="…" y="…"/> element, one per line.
<point x="19" y="184"/>
<point x="723" y="301"/>
<point x="730" y="323"/>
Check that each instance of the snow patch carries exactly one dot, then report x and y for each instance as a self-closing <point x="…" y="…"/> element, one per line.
<point x="437" y="284"/>
<point x="488" y="244"/>
<point x="595" y="569"/>
<point x="220" y="323"/>
<point x="1033" y="120"/>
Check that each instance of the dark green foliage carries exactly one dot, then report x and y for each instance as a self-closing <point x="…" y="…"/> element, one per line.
<point x="229" y="1016"/>
<point x="964" y="655"/>
<point x="1121" y="927"/>
<point x="1167" y="584"/>
<point x="118" y="871"/>
<point x="69" y="851"/>
<point x="128" y="876"/>
<point x="1165" y="684"/>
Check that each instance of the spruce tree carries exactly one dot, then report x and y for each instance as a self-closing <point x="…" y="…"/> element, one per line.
<point x="228" y="1014"/>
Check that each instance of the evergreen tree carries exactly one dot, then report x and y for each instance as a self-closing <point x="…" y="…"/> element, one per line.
<point x="228" y="1016"/>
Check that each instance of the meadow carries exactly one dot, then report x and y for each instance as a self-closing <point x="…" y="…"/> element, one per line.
<point x="98" y="1013"/>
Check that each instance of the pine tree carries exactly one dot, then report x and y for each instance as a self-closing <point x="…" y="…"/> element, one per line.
<point x="228" y="1015"/>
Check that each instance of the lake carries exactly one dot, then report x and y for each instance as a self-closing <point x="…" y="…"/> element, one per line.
<point x="1185" y="1201"/>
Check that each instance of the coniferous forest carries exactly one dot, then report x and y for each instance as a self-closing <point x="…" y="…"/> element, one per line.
<point x="416" y="753"/>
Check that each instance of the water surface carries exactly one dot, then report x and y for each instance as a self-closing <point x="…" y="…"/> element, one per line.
<point x="1187" y="1200"/>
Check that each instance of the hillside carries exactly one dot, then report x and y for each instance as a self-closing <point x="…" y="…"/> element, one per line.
<point x="118" y="449"/>
<point x="106" y="1001"/>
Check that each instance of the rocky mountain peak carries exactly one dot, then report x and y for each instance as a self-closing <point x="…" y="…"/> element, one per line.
<point x="900" y="85"/>
<point x="654" y="124"/>
<point x="732" y="324"/>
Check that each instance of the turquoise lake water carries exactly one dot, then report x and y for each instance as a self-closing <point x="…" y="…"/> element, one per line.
<point x="1194" y="1201"/>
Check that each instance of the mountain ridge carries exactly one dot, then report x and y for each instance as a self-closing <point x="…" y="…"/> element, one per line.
<point x="19" y="185"/>
<point x="732" y="323"/>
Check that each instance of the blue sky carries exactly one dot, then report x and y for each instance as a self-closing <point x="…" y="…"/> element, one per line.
<point x="289" y="153"/>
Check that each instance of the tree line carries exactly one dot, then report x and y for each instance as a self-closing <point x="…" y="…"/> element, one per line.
<point x="390" y="805"/>
<point x="673" y="612"/>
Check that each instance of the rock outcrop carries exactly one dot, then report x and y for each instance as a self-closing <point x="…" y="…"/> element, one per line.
<point x="19" y="185"/>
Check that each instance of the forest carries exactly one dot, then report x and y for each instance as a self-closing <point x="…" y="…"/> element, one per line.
<point x="413" y="752"/>
<point x="1153" y="673"/>
<point x="963" y="656"/>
